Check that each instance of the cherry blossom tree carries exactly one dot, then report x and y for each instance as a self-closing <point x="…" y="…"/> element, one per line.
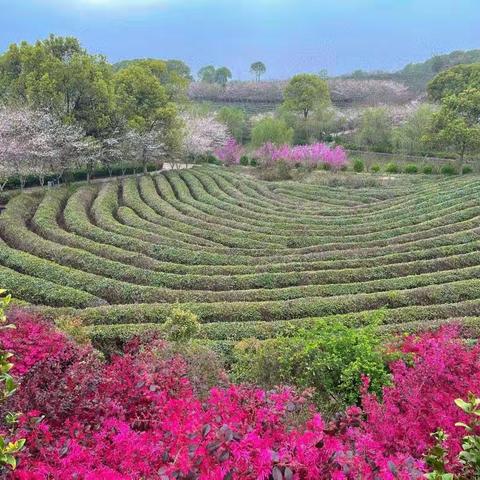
<point x="39" y="144"/>
<point x="202" y="135"/>
<point x="25" y="144"/>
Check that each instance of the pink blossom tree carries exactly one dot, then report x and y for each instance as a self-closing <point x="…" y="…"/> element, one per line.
<point x="230" y="153"/>
<point x="309" y="155"/>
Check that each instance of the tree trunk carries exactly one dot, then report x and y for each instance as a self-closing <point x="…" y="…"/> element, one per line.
<point x="305" y="113"/>
<point x="88" y="176"/>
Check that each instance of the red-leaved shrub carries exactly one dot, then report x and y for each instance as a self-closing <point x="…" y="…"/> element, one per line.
<point x="139" y="417"/>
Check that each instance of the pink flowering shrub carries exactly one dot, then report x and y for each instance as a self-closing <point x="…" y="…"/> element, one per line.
<point x="230" y="153"/>
<point x="139" y="417"/>
<point x="309" y="155"/>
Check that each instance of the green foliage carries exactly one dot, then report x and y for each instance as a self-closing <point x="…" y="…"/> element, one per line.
<point x="207" y="74"/>
<point x="358" y="165"/>
<point x="181" y="325"/>
<point x="427" y="169"/>
<point x="411" y="168"/>
<point x="466" y="169"/>
<point x="375" y="168"/>
<point x="58" y="75"/>
<point x="470" y="454"/>
<point x="392" y="168"/>
<point x="210" y="74"/>
<point x="271" y="130"/>
<point x="8" y="449"/>
<point x="375" y="130"/>
<point x="437" y="458"/>
<point x="448" y="169"/>
<point x="222" y="76"/>
<point x="329" y="357"/>
<point x="409" y="138"/>
<point x="174" y="75"/>
<point x="258" y="69"/>
<point x="304" y="92"/>
<point x="253" y="162"/>
<point x="454" y="81"/>
<point x="235" y="120"/>
<point x="244" y="161"/>
<point x="457" y="124"/>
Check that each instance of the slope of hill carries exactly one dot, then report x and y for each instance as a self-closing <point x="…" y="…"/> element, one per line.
<point x="246" y="255"/>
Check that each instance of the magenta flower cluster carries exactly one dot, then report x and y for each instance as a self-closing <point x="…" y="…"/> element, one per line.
<point x="230" y="153"/>
<point x="139" y="416"/>
<point x="310" y="155"/>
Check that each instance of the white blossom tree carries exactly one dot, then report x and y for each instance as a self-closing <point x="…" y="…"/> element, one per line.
<point x="202" y="135"/>
<point x="39" y="144"/>
<point x="147" y="147"/>
<point x="25" y="144"/>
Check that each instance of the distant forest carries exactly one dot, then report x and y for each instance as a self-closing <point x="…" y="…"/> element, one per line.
<point x="417" y="75"/>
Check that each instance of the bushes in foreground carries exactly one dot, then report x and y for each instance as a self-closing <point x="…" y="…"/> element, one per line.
<point x="141" y="416"/>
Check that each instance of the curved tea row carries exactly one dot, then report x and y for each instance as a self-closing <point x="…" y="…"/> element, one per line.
<point x="245" y="255"/>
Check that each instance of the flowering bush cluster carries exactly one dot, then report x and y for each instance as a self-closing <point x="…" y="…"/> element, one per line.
<point x="139" y="417"/>
<point x="230" y="153"/>
<point x="308" y="155"/>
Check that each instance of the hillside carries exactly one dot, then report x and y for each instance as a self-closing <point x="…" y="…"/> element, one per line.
<point x="417" y="75"/>
<point x="246" y="255"/>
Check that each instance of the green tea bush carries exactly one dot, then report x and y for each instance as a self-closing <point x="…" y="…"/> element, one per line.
<point x="181" y="325"/>
<point x="427" y="169"/>
<point x="411" y="168"/>
<point x="392" y="168"/>
<point x="244" y="161"/>
<point x="448" y="169"/>
<point x="358" y="165"/>
<point x="375" y="168"/>
<point x="467" y="169"/>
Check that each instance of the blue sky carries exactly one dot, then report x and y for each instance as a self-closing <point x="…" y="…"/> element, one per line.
<point x="290" y="36"/>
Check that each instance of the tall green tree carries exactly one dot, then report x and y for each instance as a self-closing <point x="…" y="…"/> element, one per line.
<point x="409" y="137"/>
<point x="304" y="92"/>
<point x="457" y="124"/>
<point x="145" y="105"/>
<point x="258" y="69"/>
<point x="454" y="81"/>
<point x="174" y="75"/>
<point x="272" y="130"/>
<point x="57" y="75"/>
<point x="235" y="121"/>
<point x="375" y="130"/>
<point x="207" y="74"/>
<point x="222" y="76"/>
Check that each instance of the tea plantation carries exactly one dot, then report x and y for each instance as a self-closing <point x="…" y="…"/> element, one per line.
<point x="248" y="257"/>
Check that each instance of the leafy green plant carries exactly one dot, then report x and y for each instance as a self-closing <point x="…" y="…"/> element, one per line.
<point x="392" y="168"/>
<point x="330" y="357"/>
<point x="427" y="169"/>
<point x="358" y="165"/>
<point x="244" y="161"/>
<point x="181" y="325"/>
<point x="448" y="169"/>
<point x="8" y="387"/>
<point x="437" y="458"/>
<point x="470" y="454"/>
<point x="375" y="168"/>
<point x="467" y="169"/>
<point x="411" y="168"/>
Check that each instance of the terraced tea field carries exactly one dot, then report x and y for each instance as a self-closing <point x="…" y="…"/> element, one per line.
<point x="245" y="255"/>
